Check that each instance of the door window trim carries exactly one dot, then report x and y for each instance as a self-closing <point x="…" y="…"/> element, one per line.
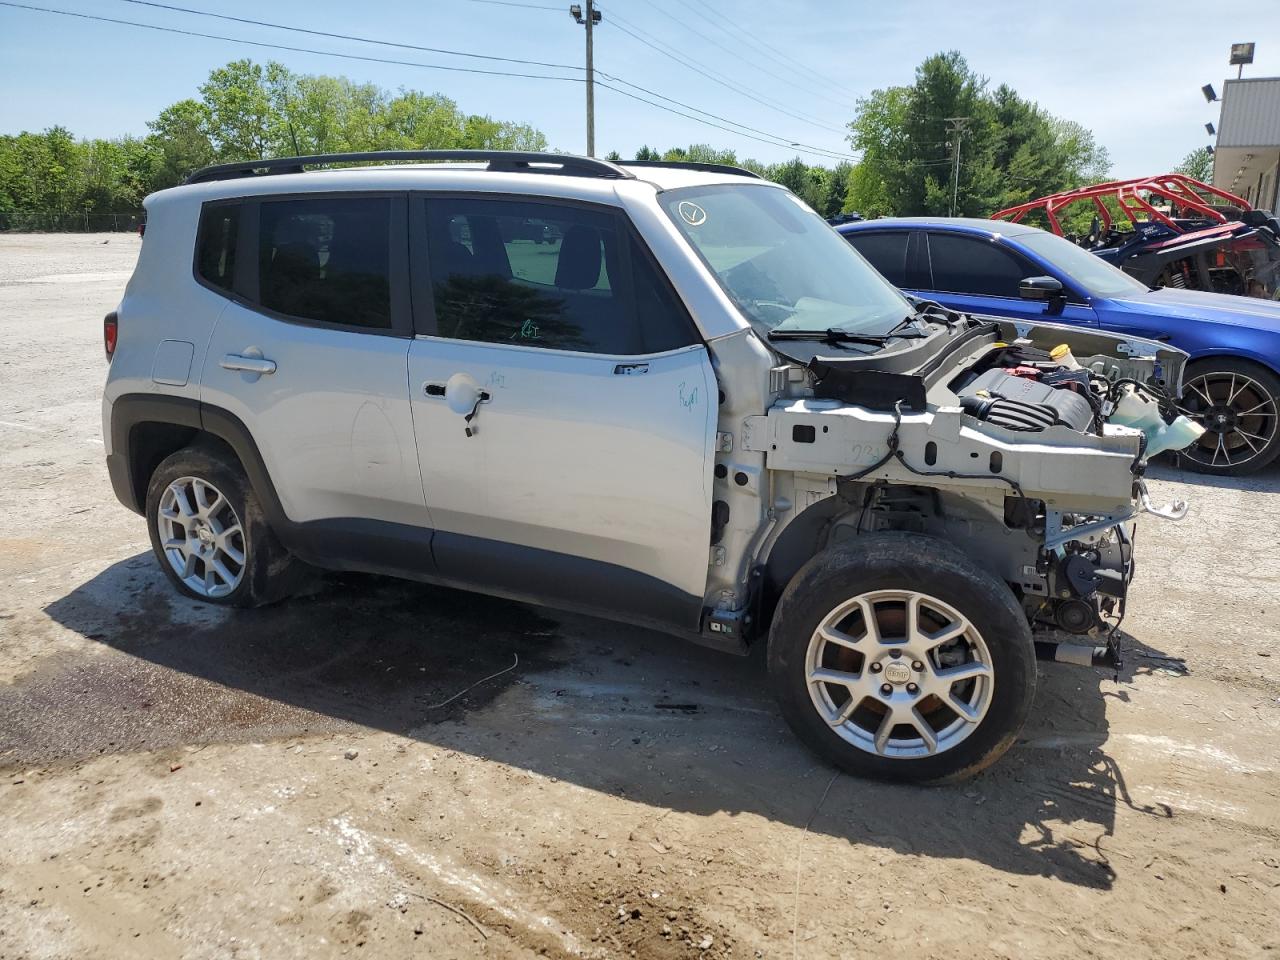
<point x="245" y="289"/>
<point x="421" y="282"/>
<point x="1017" y="255"/>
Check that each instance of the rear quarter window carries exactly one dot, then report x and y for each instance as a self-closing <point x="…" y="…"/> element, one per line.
<point x="887" y="252"/>
<point x="216" y="244"/>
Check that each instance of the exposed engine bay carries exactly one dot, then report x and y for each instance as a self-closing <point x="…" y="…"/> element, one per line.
<point x="1025" y="445"/>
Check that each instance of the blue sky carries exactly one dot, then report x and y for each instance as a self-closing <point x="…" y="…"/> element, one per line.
<point x="1143" y="103"/>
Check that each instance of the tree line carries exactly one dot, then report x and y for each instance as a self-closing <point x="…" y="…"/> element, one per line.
<point x="245" y="110"/>
<point x="1010" y="149"/>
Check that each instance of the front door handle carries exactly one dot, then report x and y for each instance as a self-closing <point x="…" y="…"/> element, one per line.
<point x="433" y="389"/>
<point x="259" y="365"/>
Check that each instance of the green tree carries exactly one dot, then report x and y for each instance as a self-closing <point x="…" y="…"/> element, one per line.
<point x="245" y="110"/>
<point x="1011" y="149"/>
<point x="180" y="136"/>
<point x="1198" y="165"/>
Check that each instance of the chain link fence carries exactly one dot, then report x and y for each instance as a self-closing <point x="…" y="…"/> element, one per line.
<point x="44" y="221"/>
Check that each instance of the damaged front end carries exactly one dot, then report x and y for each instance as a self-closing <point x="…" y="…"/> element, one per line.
<point x="1026" y="445"/>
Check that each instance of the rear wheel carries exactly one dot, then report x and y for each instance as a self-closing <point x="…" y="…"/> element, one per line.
<point x="897" y="657"/>
<point x="209" y="533"/>
<point x="1238" y="404"/>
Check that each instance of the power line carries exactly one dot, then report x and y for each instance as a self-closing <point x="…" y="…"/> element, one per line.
<point x="512" y="3"/>
<point x="410" y="46"/>
<point x="654" y="43"/>
<point x="357" y="39"/>
<point x="616" y="79"/>
<point x="824" y="154"/>
<point x="746" y="92"/>
<point x="770" y="139"/>
<point x="279" y="46"/>
<point x="686" y="26"/>
<point x="723" y="119"/>
<point x="781" y="58"/>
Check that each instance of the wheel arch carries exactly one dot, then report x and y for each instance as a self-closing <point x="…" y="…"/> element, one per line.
<point x="147" y="428"/>
<point x="1270" y="364"/>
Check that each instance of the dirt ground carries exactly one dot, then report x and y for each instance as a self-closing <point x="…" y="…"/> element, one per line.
<point x="304" y="781"/>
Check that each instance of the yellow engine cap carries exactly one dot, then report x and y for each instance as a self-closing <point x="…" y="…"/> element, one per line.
<point x="1060" y="351"/>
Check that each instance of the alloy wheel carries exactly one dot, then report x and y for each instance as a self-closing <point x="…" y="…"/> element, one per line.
<point x="202" y="537"/>
<point x="1239" y="415"/>
<point x="899" y="674"/>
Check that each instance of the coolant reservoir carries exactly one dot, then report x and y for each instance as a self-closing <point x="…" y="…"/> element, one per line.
<point x="1062" y="354"/>
<point x="1142" y="414"/>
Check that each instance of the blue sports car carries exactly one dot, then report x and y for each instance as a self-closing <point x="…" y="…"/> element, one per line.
<point x="1231" y="386"/>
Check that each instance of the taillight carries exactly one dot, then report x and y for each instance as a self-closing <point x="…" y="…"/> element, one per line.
<point x="110" y="330"/>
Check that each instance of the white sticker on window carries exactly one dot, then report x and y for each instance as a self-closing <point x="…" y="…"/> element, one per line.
<point x="691" y="213"/>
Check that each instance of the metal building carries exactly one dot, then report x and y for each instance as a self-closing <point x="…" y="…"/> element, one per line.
<point x="1246" y="160"/>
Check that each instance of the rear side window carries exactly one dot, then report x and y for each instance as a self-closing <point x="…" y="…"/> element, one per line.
<point x="216" y="248"/>
<point x="327" y="260"/>
<point x="547" y="275"/>
<point x="887" y="252"/>
<point x="972" y="265"/>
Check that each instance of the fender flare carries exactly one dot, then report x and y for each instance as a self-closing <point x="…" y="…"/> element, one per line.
<point x="133" y="409"/>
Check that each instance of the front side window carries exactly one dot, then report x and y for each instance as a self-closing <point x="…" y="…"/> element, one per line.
<point x="975" y="266"/>
<point x="783" y="266"/>
<point x="327" y="260"/>
<point x="216" y="248"/>
<point x="546" y="275"/>
<point x="1091" y="274"/>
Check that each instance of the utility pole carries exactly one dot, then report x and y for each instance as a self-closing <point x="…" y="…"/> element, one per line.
<point x="592" y="17"/>
<point x="956" y="130"/>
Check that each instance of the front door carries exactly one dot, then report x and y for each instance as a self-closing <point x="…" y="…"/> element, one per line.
<point x="310" y="354"/>
<point x="976" y="275"/>
<point x="564" y="406"/>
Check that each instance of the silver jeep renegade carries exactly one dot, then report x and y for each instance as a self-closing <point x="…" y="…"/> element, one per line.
<point x="667" y="394"/>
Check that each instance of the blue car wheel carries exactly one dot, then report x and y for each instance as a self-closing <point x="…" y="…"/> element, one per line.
<point x="1238" y="404"/>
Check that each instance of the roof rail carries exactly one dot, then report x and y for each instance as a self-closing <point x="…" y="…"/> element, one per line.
<point x="691" y="165"/>
<point x="504" y="161"/>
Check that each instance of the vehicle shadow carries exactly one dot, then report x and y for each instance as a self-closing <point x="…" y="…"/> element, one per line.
<point x="624" y="711"/>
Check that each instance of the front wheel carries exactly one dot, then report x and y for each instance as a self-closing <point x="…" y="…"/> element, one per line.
<point x="1238" y="404"/>
<point x="895" y="656"/>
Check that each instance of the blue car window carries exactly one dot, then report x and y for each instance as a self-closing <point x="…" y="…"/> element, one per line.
<point x="974" y="266"/>
<point x="887" y="252"/>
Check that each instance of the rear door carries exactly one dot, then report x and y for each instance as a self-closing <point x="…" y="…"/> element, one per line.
<point x="564" y="408"/>
<point x="310" y="354"/>
<point x="978" y="275"/>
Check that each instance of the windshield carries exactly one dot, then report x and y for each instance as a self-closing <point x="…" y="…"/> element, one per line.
<point x="781" y="263"/>
<point x="1091" y="274"/>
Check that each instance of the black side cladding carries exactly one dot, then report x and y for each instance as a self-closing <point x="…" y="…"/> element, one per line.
<point x="873" y="389"/>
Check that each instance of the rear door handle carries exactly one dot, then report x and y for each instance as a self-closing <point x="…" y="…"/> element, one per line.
<point x="433" y="389"/>
<point x="258" y="365"/>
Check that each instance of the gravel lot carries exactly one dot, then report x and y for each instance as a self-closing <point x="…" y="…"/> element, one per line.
<point x="177" y="780"/>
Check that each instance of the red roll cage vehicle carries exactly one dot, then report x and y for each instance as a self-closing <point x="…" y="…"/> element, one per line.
<point x="1171" y="231"/>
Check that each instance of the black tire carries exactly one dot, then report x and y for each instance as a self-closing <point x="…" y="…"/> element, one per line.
<point x="269" y="572"/>
<point x="909" y="562"/>
<point x="1227" y="449"/>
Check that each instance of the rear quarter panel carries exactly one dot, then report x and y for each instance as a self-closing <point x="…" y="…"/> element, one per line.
<point x="166" y="317"/>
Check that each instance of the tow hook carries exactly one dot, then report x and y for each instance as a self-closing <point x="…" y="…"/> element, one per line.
<point x="1174" y="510"/>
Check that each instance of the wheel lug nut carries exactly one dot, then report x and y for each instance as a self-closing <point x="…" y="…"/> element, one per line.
<point x="917" y="666"/>
<point x="886" y="689"/>
<point x="876" y="668"/>
<point x="912" y="688"/>
<point x="895" y="654"/>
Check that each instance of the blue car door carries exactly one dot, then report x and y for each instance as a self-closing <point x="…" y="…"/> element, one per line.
<point x="976" y="274"/>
